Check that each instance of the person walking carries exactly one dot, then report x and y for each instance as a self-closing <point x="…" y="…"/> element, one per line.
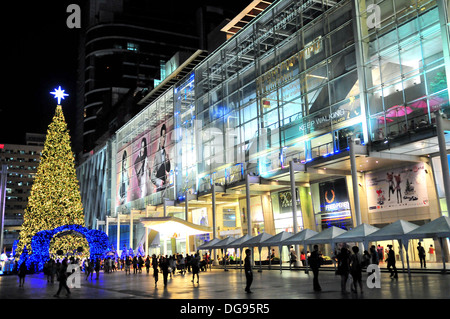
<point x="188" y="262"/>
<point x="356" y="266"/>
<point x="128" y="265"/>
<point x="22" y="272"/>
<point x="87" y="268"/>
<point x="135" y="265"/>
<point x="62" y="277"/>
<point x="422" y="255"/>
<point x="172" y="265"/>
<point x="343" y="268"/>
<point x="97" y="268"/>
<point x="314" y="261"/>
<point x="248" y="270"/>
<point x="431" y="254"/>
<point x="380" y="251"/>
<point x="303" y="258"/>
<point x="374" y="259"/>
<point x="147" y="264"/>
<point x="292" y="257"/>
<point x="391" y="263"/>
<point x="164" y="266"/>
<point x="140" y="264"/>
<point x="195" y="267"/>
<point x="182" y="265"/>
<point x="155" y="268"/>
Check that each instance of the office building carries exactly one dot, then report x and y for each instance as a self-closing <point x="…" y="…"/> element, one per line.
<point x="21" y="162"/>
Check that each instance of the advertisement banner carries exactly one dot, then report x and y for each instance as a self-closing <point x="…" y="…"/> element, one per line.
<point x="334" y="203"/>
<point x="123" y="161"/>
<point x="397" y="188"/>
<point x="144" y="165"/>
<point x="140" y="167"/>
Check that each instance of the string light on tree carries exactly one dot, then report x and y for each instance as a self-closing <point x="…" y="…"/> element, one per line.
<point x="55" y="198"/>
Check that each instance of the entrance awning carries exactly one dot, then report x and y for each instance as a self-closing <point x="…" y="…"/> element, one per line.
<point x="174" y="225"/>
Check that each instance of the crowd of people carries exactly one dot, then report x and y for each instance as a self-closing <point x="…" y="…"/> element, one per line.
<point x="167" y="265"/>
<point x="350" y="265"/>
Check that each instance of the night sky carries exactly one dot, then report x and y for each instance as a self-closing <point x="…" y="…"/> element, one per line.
<point x="39" y="54"/>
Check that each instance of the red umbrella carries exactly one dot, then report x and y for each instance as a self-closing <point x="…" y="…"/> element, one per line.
<point x="398" y="111"/>
<point x="435" y="104"/>
<point x="382" y="120"/>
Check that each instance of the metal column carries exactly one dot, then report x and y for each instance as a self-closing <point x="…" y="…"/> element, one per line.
<point x="247" y="202"/>
<point x="355" y="185"/>
<point x="118" y="231"/>
<point x="294" y="207"/>
<point x="443" y="155"/>
<point x="213" y="206"/>
<point x="131" y="229"/>
<point x="186" y="206"/>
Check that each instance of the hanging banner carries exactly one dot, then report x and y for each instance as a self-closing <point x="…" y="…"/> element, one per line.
<point x="334" y="203"/>
<point x="397" y="188"/>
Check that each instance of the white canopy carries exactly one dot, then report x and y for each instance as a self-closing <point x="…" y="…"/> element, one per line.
<point x="256" y="242"/>
<point x="300" y="238"/>
<point x="396" y="230"/>
<point x="358" y="234"/>
<point x="277" y="241"/>
<point x="237" y="243"/>
<point x="206" y="246"/>
<point x="327" y="236"/>
<point x="223" y="244"/>
<point x="438" y="228"/>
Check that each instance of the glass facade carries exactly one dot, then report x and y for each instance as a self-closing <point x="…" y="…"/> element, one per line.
<point x="294" y="86"/>
<point x="404" y="69"/>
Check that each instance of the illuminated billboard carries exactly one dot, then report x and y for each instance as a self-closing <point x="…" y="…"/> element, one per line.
<point x="144" y="165"/>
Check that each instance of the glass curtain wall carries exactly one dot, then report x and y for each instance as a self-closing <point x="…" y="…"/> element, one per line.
<point x="287" y="77"/>
<point x="185" y="122"/>
<point x="404" y="66"/>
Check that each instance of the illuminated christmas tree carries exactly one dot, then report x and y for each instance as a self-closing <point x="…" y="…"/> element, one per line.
<point x="55" y="198"/>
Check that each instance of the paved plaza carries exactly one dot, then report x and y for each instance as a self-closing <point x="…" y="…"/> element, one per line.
<point x="223" y="292"/>
<point x="220" y="284"/>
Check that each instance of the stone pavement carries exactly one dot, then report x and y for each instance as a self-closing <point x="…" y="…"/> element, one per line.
<point x="220" y="294"/>
<point x="220" y="284"/>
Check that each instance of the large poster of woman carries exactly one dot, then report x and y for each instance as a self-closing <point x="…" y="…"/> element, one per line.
<point x="141" y="167"/>
<point x="161" y="167"/>
<point x="123" y="176"/>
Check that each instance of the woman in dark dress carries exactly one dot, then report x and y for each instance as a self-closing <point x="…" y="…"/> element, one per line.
<point x="343" y="270"/>
<point x="22" y="273"/>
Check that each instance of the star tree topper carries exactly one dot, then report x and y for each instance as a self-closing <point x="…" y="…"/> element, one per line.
<point x="59" y="94"/>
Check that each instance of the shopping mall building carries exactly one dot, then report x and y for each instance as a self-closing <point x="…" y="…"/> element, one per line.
<point x="314" y="114"/>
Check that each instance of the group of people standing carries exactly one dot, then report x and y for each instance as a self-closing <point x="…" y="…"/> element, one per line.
<point x="168" y="266"/>
<point x="351" y="263"/>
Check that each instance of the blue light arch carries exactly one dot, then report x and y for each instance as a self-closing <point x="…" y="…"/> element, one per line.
<point x="40" y="243"/>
